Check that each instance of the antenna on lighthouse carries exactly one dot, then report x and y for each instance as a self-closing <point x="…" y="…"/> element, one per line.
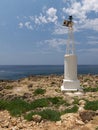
<point x="70" y="47"/>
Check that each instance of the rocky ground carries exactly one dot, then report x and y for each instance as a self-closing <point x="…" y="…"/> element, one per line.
<point x="25" y="88"/>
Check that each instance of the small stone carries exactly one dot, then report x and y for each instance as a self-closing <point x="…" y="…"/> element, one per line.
<point x="82" y="102"/>
<point x="6" y="124"/>
<point x="81" y="109"/>
<point x="20" y="125"/>
<point x="14" y="122"/>
<point x="33" y="123"/>
<point x="58" y="123"/>
<point x="36" y="118"/>
<point x="1" y="88"/>
<point x="96" y="112"/>
<point x="79" y="122"/>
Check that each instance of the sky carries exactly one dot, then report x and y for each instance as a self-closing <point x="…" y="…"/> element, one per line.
<point x="31" y="31"/>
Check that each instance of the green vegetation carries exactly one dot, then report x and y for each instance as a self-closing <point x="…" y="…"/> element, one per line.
<point x="89" y="89"/>
<point x="43" y="102"/>
<point x="74" y="109"/>
<point x="51" y="115"/>
<point x="15" y="107"/>
<point x="96" y="128"/>
<point x="48" y="114"/>
<point x="28" y="116"/>
<point x="91" y="105"/>
<point x="76" y="100"/>
<point x="39" y="91"/>
<point x="18" y="107"/>
<point x="3" y="104"/>
<point x="57" y="101"/>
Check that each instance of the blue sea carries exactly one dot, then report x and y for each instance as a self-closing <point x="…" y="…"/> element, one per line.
<point x="14" y="72"/>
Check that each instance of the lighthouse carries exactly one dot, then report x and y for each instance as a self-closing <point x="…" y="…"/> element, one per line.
<point x="70" y="81"/>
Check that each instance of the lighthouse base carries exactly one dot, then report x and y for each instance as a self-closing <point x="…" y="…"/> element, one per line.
<point x="71" y="85"/>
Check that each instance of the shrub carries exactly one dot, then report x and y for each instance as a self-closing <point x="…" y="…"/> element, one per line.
<point x="54" y="100"/>
<point x="17" y="106"/>
<point x="51" y="115"/>
<point x="89" y="89"/>
<point x="57" y="101"/>
<point x="74" y="109"/>
<point x="47" y="114"/>
<point x="39" y="91"/>
<point x="76" y="101"/>
<point x="28" y="117"/>
<point x="3" y="104"/>
<point x="91" y="105"/>
<point x="39" y="103"/>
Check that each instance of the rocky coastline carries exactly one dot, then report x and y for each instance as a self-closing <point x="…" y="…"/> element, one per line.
<point x="33" y="88"/>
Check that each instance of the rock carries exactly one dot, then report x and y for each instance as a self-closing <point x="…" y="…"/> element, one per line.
<point x="96" y="112"/>
<point x="26" y="95"/>
<point x="85" y="84"/>
<point x="58" y="123"/>
<point x="20" y="126"/>
<point x="82" y="102"/>
<point x="69" y="116"/>
<point x="1" y="88"/>
<point x="71" y="120"/>
<point x="5" y="124"/>
<point x="95" y="120"/>
<point x="85" y="128"/>
<point x="14" y="121"/>
<point x="36" y="118"/>
<point x="79" y="122"/>
<point x="87" y="115"/>
<point x="81" y="109"/>
<point x="30" y="86"/>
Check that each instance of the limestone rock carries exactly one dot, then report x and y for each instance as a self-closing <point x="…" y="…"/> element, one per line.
<point x="58" y="123"/>
<point x="36" y="118"/>
<point x="85" y="128"/>
<point x="87" y="115"/>
<point x="82" y="102"/>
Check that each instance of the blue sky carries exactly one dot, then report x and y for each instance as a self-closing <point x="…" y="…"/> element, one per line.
<point x="31" y="31"/>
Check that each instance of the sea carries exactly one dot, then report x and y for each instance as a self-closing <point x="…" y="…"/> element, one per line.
<point x="15" y="72"/>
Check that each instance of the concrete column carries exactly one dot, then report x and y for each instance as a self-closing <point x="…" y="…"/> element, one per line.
<point x="70" y="81"/>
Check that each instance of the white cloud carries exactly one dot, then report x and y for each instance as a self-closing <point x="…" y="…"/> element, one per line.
<point x="28" y="25"/>
<point x="42" y="19"/>
<point x="48" y="16"/>
<point x="37" y="20"/>
<point x="80" y="11"/>
<point x="20" y="25"/>
<point x="76" y="11"/>
<point x="90" y="24"/>
<point x="51" y="13"/>
<point x="56" y="43"/>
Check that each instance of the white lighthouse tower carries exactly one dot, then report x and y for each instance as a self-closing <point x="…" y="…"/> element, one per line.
<point x="70" y="81"/>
